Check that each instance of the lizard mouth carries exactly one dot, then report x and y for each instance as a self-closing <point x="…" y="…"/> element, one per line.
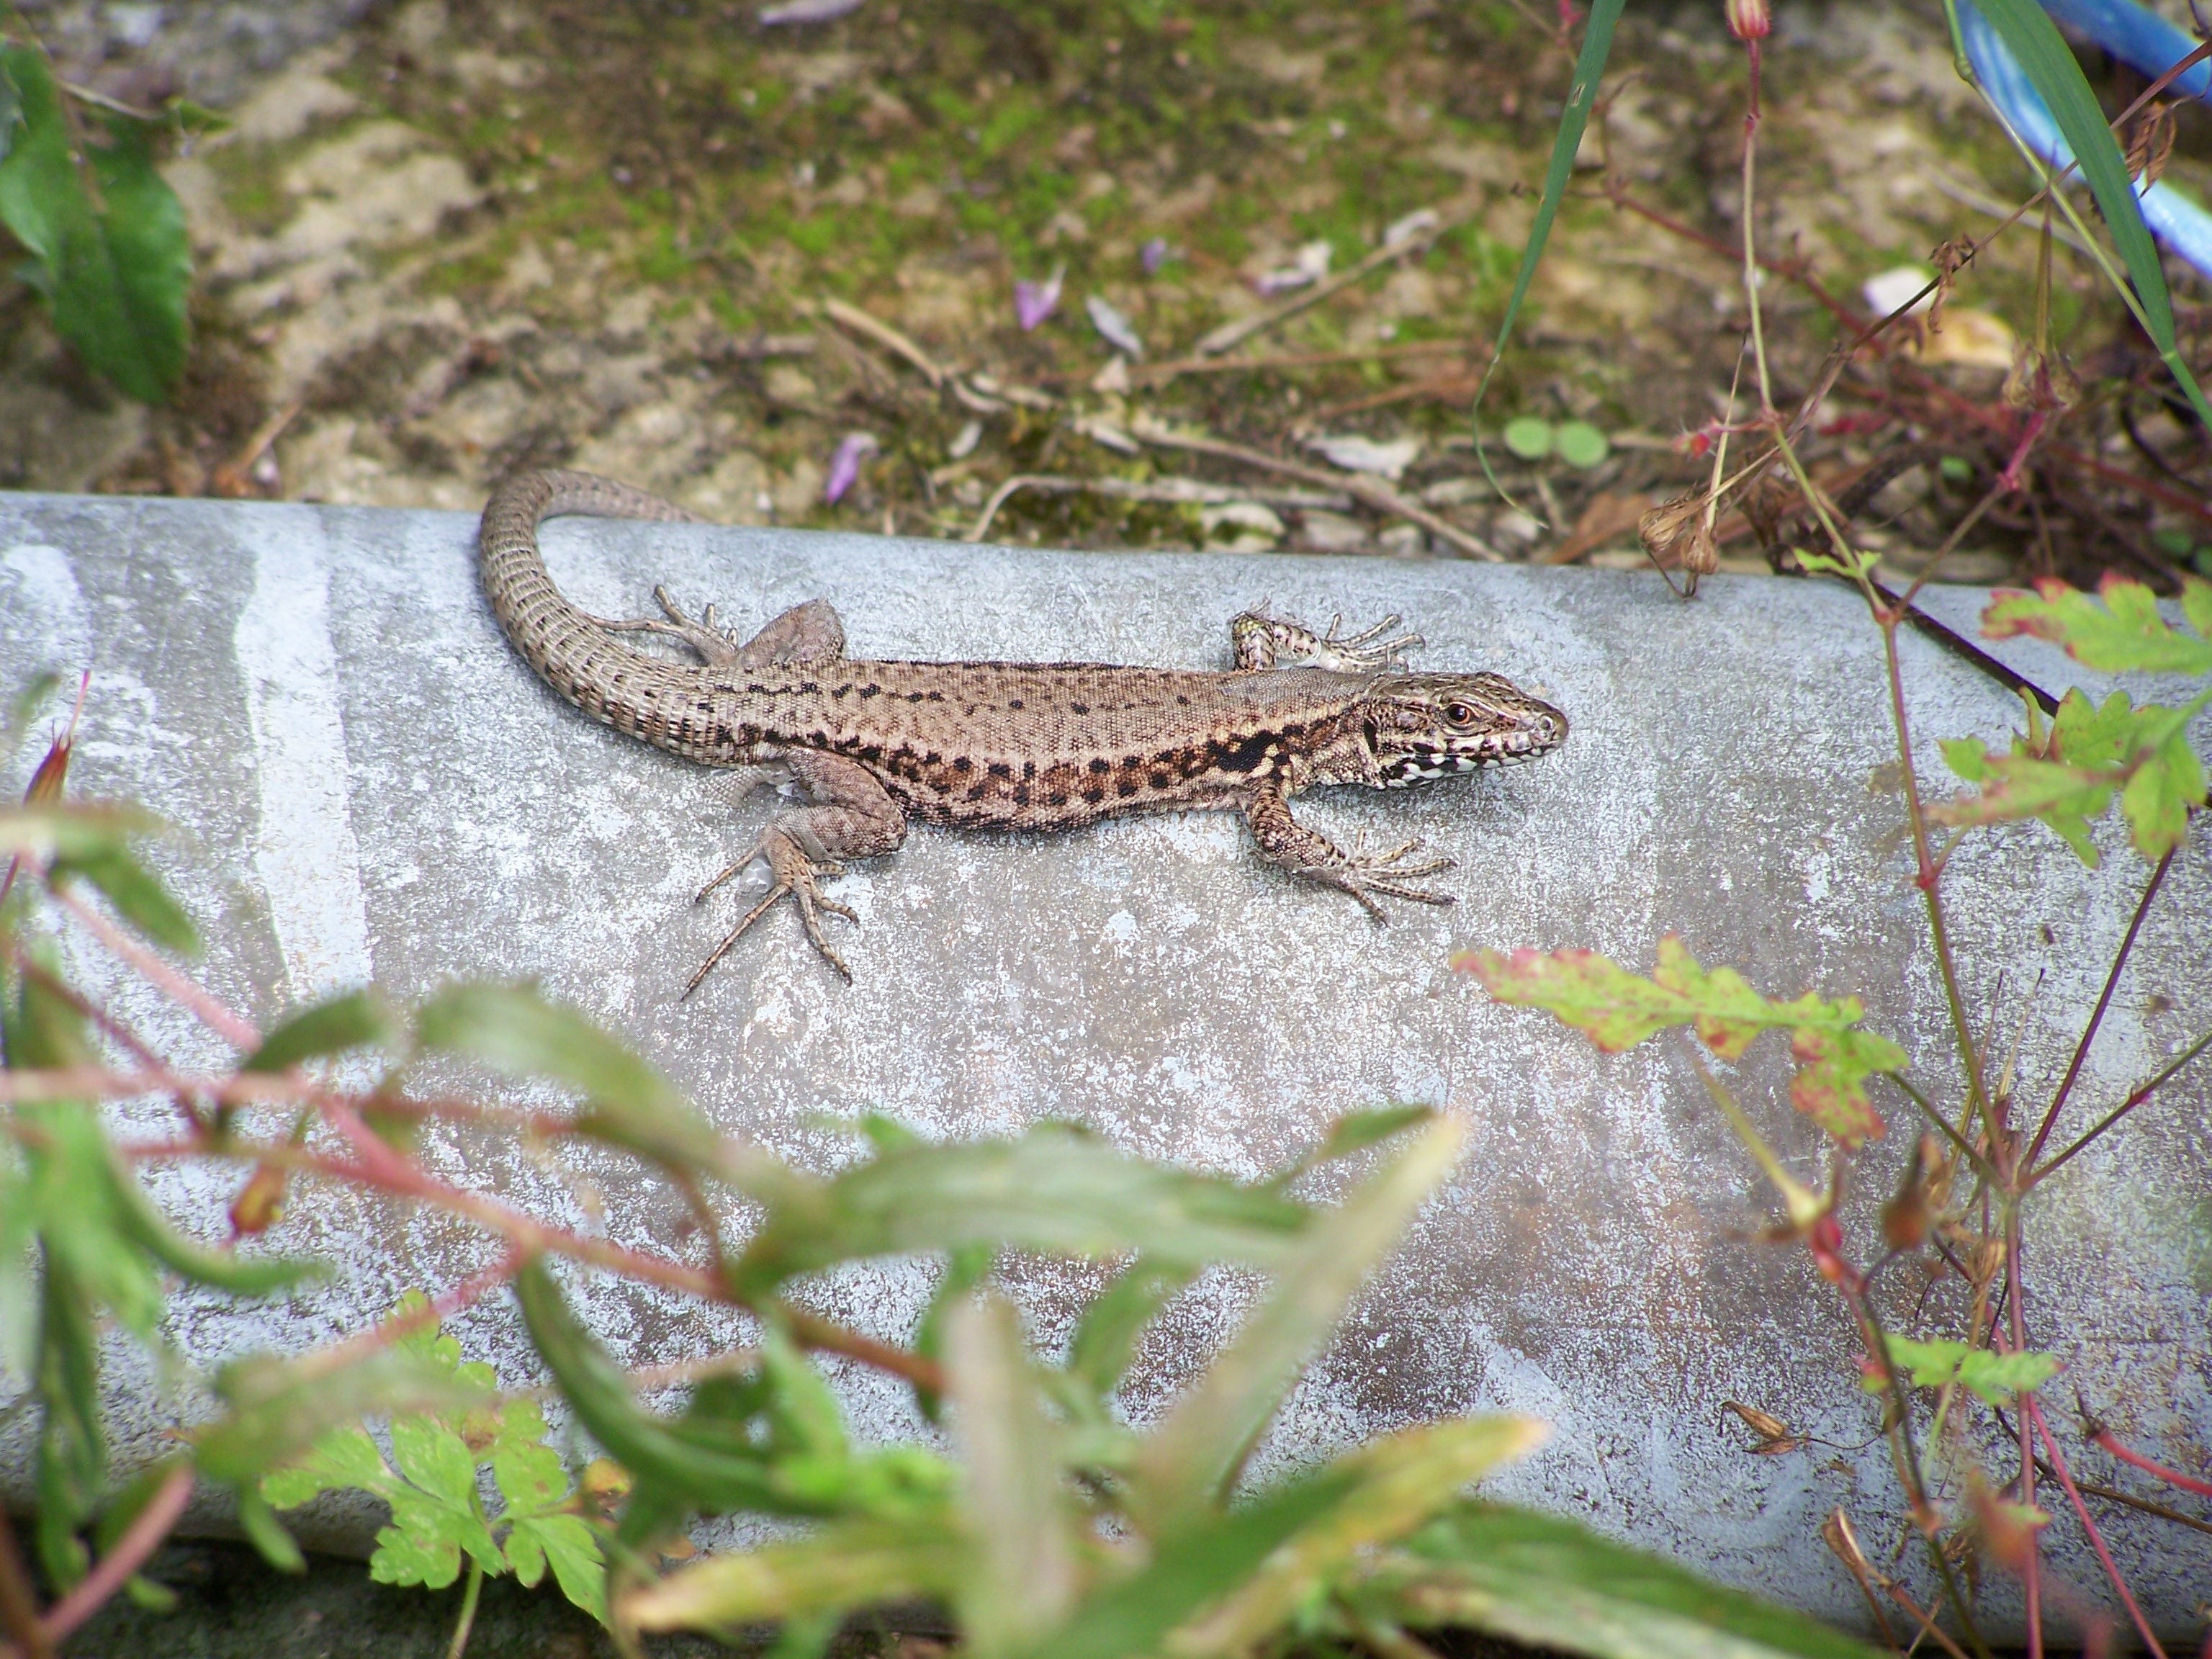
<point x="1534" y="739"/>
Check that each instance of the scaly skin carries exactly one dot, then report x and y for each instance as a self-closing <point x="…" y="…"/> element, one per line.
<point x="1002" y="744"/>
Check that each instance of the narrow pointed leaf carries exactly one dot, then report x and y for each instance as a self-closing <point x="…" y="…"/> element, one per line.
<point x="1189" y="1461"/>
<point x="359" y="1019"/>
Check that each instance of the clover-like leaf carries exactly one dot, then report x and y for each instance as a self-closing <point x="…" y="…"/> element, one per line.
<point x="1617" y="1009"/>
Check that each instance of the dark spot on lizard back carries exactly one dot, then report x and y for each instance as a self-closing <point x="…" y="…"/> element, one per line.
<point x="1098" y="763"/>
<point x="962" y="763"/>
<point x="1001" y="770"/>
<point x="1014" y="702"/>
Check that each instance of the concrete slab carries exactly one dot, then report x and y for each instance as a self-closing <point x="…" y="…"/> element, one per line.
<point x="370" y="784"/>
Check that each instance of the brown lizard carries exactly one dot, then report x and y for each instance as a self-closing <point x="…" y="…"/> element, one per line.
<point x="1016" y="745"/>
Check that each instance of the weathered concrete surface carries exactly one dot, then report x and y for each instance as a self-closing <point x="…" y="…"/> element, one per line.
<point x="371" y="784"/>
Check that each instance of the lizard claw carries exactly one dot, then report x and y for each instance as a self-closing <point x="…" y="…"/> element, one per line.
<point x="1365" y="653"/>
<point x="794" y="872"/>
<point x="1363" y="875"/>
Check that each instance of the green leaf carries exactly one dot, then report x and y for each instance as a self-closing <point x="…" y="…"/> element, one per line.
<point x="11" y="109"/>
<point x="1580" y="444"/>
<point x="631" y="1105"/>
<point x="1106" y="1336"/>
<point x="2126" y="635"/>
<point x="964" y="1269"/>
<point x="1574" y="116"/>
<point x="266" y="1534"/>
<point x="531" y="1477"/>
<point x="70" y="829"/>
<point x="1529" y="437"/>
<point x="423" y="1544"/>
<point x="1617" y="1010"/>
<point x="1544" y="1581"/>
<point x="2167" y="788"/>
<point x="1014" y="1504"/>
<point x="568" y="1541"/>
<point x="117" y="274"/>
<point x="71" y="1473"/>
<point x="1397" y="1484"/>
<point x="345" y="1459"/>
<point x="357" y="1020"/>
<point x="847" y="1564"/>
<point x="1190" y="1460"/>
<point x="1995" y="1377"/>
<point x="435" y="1458"/>
<point x="1056" y="1190"/>
<point x="137" y="895"/>
<point x="2051" y="68"/>
<point x="280" y="1409"/>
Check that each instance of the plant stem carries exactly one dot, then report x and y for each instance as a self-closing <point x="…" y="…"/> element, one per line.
<point x="234" y="1028"/>
<point x="1750" y="241"/>
<point x="2097" y="1014"/>
<point x="2118" y="1112"/>
<point x="1971" y="1153"/>
<point x="2016" y="1315"/>
<point x="19" y="1603"/>
<point x="140" y="1539"/>
<point x="461" y="1626"/>
<point x="2109" y="1442"/>
<point x="2030" y="1410"/>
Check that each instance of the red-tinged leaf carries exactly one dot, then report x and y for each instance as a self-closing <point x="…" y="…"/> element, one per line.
<point x="1830" y="1087"/>
<point x="2125" y="634"/>
<point x="1617" y="1010"/>
<point x="1613" y="1007"/>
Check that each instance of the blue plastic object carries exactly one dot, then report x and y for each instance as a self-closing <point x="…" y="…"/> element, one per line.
<point x="2137" y="37"/>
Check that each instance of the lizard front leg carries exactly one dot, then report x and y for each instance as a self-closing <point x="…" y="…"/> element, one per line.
<point x="811" y="632"/>
<point x="1264" y="642"/>
<point x="850" y="815"/>
<point x="1287" y="843"/>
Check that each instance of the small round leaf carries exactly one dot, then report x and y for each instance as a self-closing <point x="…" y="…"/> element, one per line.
<point x="1580" y="444"/>
<point x="1528" y="437"/>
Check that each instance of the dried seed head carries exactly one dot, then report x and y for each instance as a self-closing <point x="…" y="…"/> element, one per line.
<point x="260" y="1205"/>
<point x="2149" y="138"/>
<point x="1775" y="1436"/>
<point x="1749" y="20"/>
<point x="1676" y="536"/>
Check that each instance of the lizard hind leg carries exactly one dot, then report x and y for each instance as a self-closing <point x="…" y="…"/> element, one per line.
<point x="851" y="816"/>
<point x="1264" y="642"/>
<point x="1289" y="845"/>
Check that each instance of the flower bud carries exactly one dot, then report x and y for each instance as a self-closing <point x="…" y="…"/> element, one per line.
<point x="1749" y="20"/>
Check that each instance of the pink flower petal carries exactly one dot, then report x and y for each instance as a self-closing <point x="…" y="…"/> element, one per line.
<point x="845" y="465"/>
<point x="1034" y="301"/>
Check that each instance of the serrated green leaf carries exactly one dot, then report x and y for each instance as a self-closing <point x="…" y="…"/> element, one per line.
<point x="631" y="1105"/>
<point x="569" y="1544"/>
<point x="358" y="1020"/>
<point x="344" y="1458"/>
<point x="280" y="1408"/>
<point x="2157" y="800"/>
<point x="117" y="273"/>
<point x="530" y="1477"/>
<point x="1931" y="1363"/>
<point x="1617" y="1010"/>
<point x="2125" y="635"/>
<point x="423" y="1544"/>
<point x="1546" y="1580"/>
<point x="435" y="1458"/>
<point x="1185" y="1464"/>
<point x="1055" y="1190"/>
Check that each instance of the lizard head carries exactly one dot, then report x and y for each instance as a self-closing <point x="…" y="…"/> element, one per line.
<point x="1439" y="726"/>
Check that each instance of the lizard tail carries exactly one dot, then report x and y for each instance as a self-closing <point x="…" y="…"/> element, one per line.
<point x="609" y="680"/>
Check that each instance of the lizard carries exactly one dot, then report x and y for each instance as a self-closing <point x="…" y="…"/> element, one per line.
<point x="870" y="746"/>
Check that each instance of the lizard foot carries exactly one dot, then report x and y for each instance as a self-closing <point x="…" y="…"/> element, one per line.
<point x="1366" y="653"/>
<point x="715" y="648"/>
<point x="794" y="872"/>
<point x="1365" y="875"/>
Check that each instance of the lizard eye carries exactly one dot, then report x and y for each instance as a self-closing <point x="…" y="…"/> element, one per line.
<point x="1459" y="714"/>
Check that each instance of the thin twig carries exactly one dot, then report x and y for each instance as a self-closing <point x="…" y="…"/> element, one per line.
<point x="2097" y="1014"/>
<point x="2108" y="1441"/>
<point x="1159" y="373"/>
<point x="1236" y="333"/>
<point x="1373" y="491"/>
<point x="886" y="336"/>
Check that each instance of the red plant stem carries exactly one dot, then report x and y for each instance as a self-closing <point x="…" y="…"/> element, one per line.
<point x="231" y="1028"/>
<point x="2122" y="1110"/>
<point x="2112" y="1442"/>
<point x="108" y="1022"/>
<point x="2030" y="1409"/>
<point x="140" y="1539"/>
<point x="19" y="1603"/>
<point x="2097" y="1014"/>
<point x="2032" y="1573"/>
